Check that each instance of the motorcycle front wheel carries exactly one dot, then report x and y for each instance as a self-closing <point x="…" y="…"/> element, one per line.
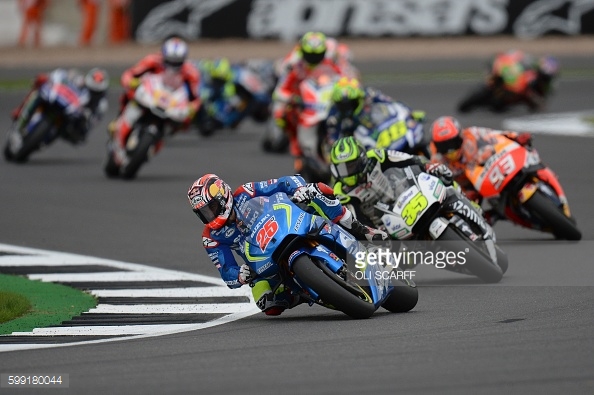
<point x="31" y="142"/>
<point x="111" y="169"/>
<point x="561" y="226"/>
<point x="477" y="260"/>
<point x="138" y="156"/>
<point x="333" y="290"/>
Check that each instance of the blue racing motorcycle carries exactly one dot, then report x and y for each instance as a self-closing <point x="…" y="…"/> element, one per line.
<point x="56" y="109"/>
<point x="314" y="259"/>
<point x="397" y="127"/>
<point x="226" y="103"/>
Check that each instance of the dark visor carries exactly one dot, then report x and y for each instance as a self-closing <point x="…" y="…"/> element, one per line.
<point x="347" y="106"/>
<point x="350" y="168"/>
<point x="211" y="210"/>
<point x="448" y="145"/>
<point x="314" y="58"/>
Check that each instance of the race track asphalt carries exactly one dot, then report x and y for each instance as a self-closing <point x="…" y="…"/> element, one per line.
<point x="531" y="333"/>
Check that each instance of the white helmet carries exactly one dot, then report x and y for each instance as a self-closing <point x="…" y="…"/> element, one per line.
<point x="174" y="51"/>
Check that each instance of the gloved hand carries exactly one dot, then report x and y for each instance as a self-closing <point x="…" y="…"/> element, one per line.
<point x="441" y="171"/>
<point x="306" y="194"/>
<point x="524" y="139"/>
<point x="376" y="235"/>
<point x="245" y="274"/>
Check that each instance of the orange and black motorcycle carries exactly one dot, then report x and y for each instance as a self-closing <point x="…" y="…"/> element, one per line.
<point x="514" y="79"/>
<point x="521" y="188"/>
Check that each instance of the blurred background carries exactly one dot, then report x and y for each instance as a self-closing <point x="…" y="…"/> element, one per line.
<point x="100" y="22"/>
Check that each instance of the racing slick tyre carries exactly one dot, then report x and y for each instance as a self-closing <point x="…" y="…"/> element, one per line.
<point x="561" y="226"/>
<point x="404" y="297"/>
<point x="502" y="260"/>
<point x="477" y="260"/>
<point x="31" y="142"/>
<point x="111" y="169"/>
<point x="138" y="156"/>
<point x="333" y="289"/>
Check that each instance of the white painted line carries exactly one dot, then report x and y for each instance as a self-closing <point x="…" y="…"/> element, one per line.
<point x="569" y="124"/>
<point x="190" y="292"/>
<point x="106" y="330"/>
<point x="108" y="277"/>
<point x="23" y="261"/>
<point x="210" y="308"/>
<point x="219" y="321"/>
<point x="61" y="258"/>
<point x="133" y="272"/>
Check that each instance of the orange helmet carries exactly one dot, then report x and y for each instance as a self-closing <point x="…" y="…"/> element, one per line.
<point x="446" y="135"/>
<point x="211" y="200"/>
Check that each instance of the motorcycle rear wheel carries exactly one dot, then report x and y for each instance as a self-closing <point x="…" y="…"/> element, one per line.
<point x="330" y="290"/>
<point x="477" y="261"/>
<point x="562" y="226"/>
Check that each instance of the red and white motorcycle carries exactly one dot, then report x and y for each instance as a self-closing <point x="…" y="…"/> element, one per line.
<point x="316" y="92"/>
<point x="160" y="106"/>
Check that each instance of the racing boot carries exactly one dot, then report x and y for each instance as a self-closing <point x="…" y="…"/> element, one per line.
<point x="118" y="141"/>
<point x="267" y="301"/>
<point x="360" y="231"/>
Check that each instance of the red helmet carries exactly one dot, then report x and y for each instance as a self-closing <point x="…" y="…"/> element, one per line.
<point x="446" y="135"/>
<point x="211" y="200"/>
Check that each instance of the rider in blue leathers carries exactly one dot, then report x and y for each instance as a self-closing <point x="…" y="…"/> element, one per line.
<point x="214" y="203"/>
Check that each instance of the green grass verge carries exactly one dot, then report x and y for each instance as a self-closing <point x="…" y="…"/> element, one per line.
<point x="50" y="303"/>
<point x="12" y="305"/>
